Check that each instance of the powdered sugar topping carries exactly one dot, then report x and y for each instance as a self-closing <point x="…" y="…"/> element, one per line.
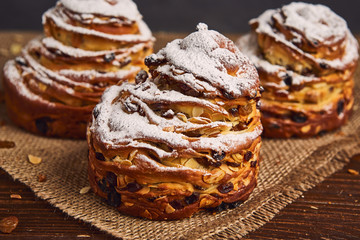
<point x="115" y="127"/>
<point x="327" y="29"/>
<point x="115" y="8"/>
<point x="317" y="22"/>
<point x="209" y="56"/>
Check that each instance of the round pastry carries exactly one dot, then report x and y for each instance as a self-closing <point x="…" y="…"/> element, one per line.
<point x="306" y="58"/>
<point x="89" y="45"/>
<point x="184" y="140"/>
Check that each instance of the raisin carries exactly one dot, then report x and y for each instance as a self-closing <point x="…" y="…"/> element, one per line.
<point x="184" y="87"/>
<point x="248" y="155"/>
<point x="261" y="89"/>
<point x="141" y="77"/>
<point x="306" y="71"/>
<point x="234" y="111"/>
<point x="111" y="178"/>
<point x="226" y="187"/>
<point x="131" y="107"/>
<point x="141" y="112"/>
<point x="258" y="105"/>
<point x="239" y="127"/>
<point x="340" y="106"/>
<point x="324" y="65"/>
<point x="299" y="117"/>
<point x="192" y="198"/>
<point x="215" y="164"/>
<point x="21" y="61"/>
<point x="233" y="164"/>
<point x="216" y="195"/>
<point x="99" y="156"/>
<point x="288" y="80"/>
<point x="197" y="187"/>
<point x="133" y="187"/>
<point x="227" y="95"/>
<point x="253" y="163"/>
<point x="109" y="57"/>
<point x="218" y="155"/>
<point x="42" y="124"/>
<point x="168" y="114"/>
<point x="8" y="224"/>
<point x="193" y="93"/>
<point x="153" y="60"/>
<point x="37" y="54"/>
<point x="152" y="199"/>
<point x="96" y="112"/>
<point x="177" y="204"/>
<point x="103" y="186"/>
<point x="114" y="198"/>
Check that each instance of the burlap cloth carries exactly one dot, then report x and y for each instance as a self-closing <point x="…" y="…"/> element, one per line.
<point x="288" y="168"/>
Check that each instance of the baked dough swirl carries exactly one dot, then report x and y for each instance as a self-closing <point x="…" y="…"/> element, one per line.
<point x="184" y="140"/>
<point x="89" y="45"/>
<point x="306" y="58"/>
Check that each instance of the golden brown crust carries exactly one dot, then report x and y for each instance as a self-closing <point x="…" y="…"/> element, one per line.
<point x="161" y="202"/>
<point x="306" y="58"/>
<point x="184" y="140"/>
<point x="43" y="118"/>
<point x="53" y="86"/>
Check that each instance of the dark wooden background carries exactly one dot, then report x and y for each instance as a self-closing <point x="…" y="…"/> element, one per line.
<point x="229" y="16"/>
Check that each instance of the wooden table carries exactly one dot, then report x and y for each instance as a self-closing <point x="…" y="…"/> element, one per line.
<point x="331" y="210"/>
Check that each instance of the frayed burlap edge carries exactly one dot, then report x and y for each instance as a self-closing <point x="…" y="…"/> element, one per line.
<point x="326" y="160"/>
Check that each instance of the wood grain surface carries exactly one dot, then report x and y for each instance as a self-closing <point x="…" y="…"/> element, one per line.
<point x="331" y="210"/>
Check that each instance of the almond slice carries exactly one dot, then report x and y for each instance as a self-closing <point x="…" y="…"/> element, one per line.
<point x="34" y="160"/>
<point x="85" y="190"/>
<point x="15" y="196"/>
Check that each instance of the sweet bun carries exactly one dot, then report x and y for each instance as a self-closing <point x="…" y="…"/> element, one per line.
<point x="89" y="45"/>
<point x="184" y="140"/>
<point x="306" y="58"/>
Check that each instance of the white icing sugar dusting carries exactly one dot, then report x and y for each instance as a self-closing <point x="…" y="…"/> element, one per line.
<point x="248" y="44"/>
<point x="317" y="22"/>
<point x="65" y="80"/>
<point x="13" y="75"/>
<point x="351" y="46"/>
<point x="116" y="8"/>
<point x="116" y="127"/>
<point x="61" y="20"/>
<point x="94" y="76"/>
<point x="208" y="56"/>
<point x="51" y="43"/>
<point x="37" y="68"/>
